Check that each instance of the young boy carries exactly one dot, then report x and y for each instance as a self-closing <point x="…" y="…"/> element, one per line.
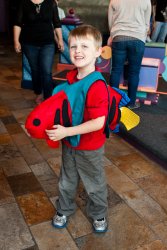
<point x="83" y="158"/>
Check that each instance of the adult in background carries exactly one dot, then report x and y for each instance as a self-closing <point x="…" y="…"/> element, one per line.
<point x="159" y="21"/>
<point x="36" y="26"/>
<point x="129" y="22"/>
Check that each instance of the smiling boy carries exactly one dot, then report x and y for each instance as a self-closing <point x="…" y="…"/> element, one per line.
<point x="83" y="142"/>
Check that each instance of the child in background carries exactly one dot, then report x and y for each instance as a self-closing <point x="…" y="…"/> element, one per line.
<point x="60" y="11"/>
<point x="85" y="160"/>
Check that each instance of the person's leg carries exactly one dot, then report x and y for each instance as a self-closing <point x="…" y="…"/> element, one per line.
<point x="46" y="59"/>
<point x="91" y="171"/>
<point x="135" y="55"/>
<point x="32" y="54"/>
<point x="68" y="183"/>
<point x="156" y="31"/>
<point x="162" y="33"/>
<point x="119" y="56"/>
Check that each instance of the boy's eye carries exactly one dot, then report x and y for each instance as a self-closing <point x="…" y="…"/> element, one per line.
<point x="73" y="47"/>
<point x="84" y="46"/>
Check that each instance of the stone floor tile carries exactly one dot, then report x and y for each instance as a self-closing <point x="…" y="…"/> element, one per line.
<point x="125" y="224"/>
<point x="30" y="154"/>
<point x="55" y="164"/>
<point x="42" y="170"/>
<point x="8" y="119"/>
<point x="8" y="151"/>
<point x="135" y="166"/>
<point x="50" y="186"/>
<point x="155" y="245"/>
<point x="21" y="139"/>
<point x="5" y="139"/>
<point x="147" y="208"/>
<point x="15" y="166"/>
<point x="161" y="230"/>
<point x="116" y="147"/>
<point x="8" y="94"/>
<point x="126" y="231"/>
<point x="3" y="129"/>
<point x="156" y="186"/>
<point x="106" y="162"/>
<point x="32" y="248"/>
<point x="118" y="180"/>
<point x="47" y="178"/>
<point x="50" y="238"/>
<point x="96" y="242"/>
<point x="24" y="184"/>
<point x="79" y="225"/>
<point x="15" y="104"/>
<point x="14" y="128"/>
<point x="4" y="111"/>
<point x="6" y="195"/>
<point x="14" y="233"/>
<point x="28" y="94"/>
<point x="46" y="151"/>
<point x="36" y="207"/>
<point x="21" y="114"/>
<point x="113" y="198"/>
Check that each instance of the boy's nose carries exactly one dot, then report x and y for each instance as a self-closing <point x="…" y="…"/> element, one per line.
<point x="78" y="49"/>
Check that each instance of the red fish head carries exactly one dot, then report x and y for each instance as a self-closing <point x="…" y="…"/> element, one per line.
<point x="55" y="110"/>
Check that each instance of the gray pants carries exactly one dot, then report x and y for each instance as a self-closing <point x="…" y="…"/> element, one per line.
<point x="87" y="166"/>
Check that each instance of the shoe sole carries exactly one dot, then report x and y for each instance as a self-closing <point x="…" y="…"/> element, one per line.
<point x="59" y="227"/>
<point x="100" y="231"/>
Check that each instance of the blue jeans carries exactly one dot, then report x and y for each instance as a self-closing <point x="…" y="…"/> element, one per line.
<point x="160" y="32"/>
<point x="131" y="50"/>
<point x="41" y="60"/>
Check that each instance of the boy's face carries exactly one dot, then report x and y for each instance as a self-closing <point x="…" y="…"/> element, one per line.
<point x="83" y="52"/>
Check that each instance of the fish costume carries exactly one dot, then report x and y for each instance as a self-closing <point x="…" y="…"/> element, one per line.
<point x="66" y="107"/>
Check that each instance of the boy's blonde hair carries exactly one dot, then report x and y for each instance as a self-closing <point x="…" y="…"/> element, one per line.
<point x="84" y="31"/>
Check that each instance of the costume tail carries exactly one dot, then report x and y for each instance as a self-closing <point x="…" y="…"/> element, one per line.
<point x="118" y="112"/>
<point x="129" y="118"/>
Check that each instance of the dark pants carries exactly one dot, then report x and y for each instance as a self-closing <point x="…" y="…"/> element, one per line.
<point x="133" y="51"/>
<point x="41" y="60"/>
<point x="86" y="165"/>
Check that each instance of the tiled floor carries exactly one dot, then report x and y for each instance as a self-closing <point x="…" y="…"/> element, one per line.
<point x="29" y="171"/>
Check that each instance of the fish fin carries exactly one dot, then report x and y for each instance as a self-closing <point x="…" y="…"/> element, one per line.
<point x="129" y="118"/>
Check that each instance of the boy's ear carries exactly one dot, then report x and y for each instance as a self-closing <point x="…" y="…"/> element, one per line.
<point x="99" y="51"/>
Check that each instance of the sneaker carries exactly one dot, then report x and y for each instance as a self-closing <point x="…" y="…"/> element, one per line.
<point x="134" y="106"/>
<point x="100" y="225"/>
<point x="59" y="220"/>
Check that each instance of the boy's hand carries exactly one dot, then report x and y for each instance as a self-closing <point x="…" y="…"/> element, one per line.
<point x="57" y="133"/>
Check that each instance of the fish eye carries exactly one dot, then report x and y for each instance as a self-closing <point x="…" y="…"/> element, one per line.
<point x="36" y="122"/>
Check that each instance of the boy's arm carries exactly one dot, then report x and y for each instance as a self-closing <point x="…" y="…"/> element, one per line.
<point x="59" y="132"/>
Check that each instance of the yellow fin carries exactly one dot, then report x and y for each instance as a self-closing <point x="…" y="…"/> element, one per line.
<point x="129" y="118"/>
